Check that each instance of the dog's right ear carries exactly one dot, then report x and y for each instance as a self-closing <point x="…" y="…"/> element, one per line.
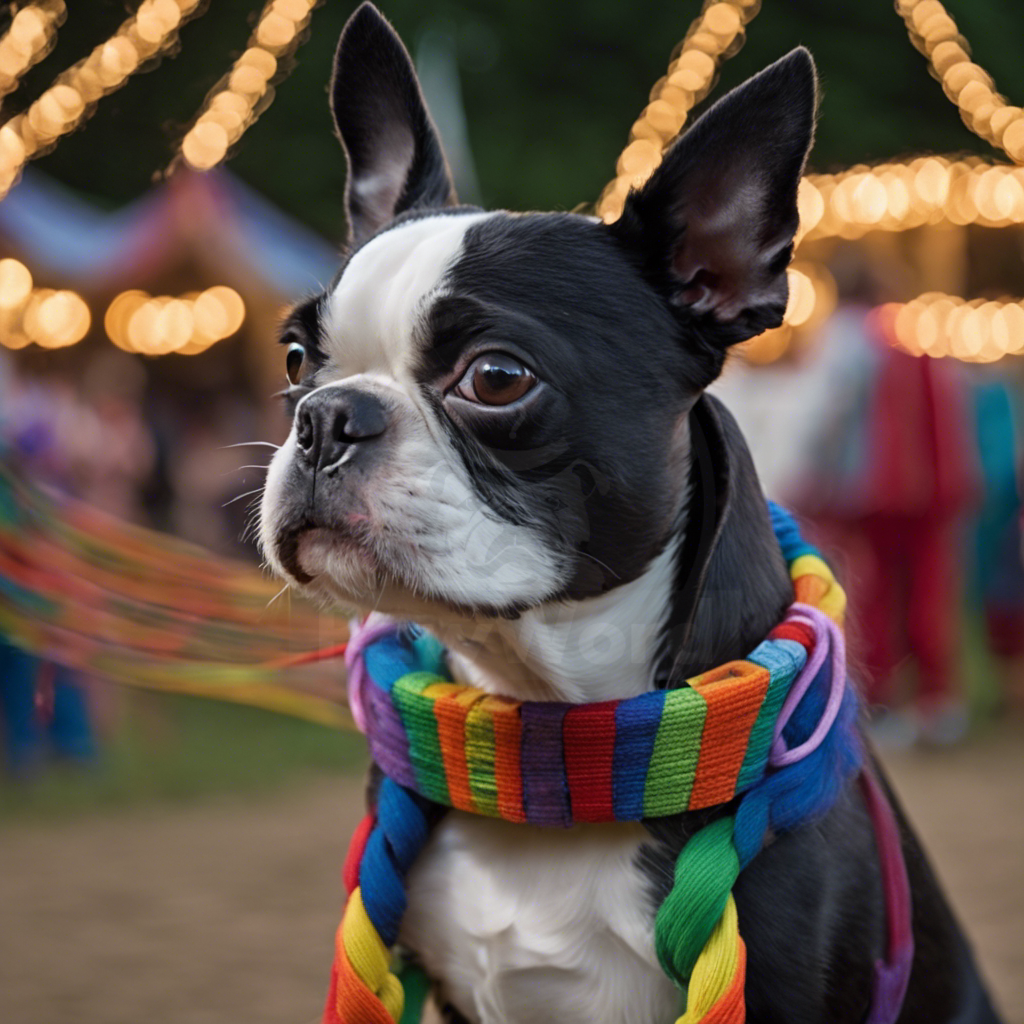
<point x="395" y="160"/>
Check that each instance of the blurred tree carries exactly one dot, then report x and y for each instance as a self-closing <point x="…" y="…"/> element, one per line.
<point x="550" y="91"/>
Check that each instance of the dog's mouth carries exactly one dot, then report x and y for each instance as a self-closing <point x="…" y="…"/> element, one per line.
<point x="307" y="551"/>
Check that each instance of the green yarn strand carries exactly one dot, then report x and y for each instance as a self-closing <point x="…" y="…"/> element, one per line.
<point x="704" y="876"/>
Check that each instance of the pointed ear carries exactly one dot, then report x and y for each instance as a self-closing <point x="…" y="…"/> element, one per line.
<point x="395" y="160"/>
<point x="715" y="221"/>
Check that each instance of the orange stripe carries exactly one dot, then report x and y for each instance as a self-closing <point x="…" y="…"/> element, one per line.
<point x="354" y="1002"/>
<point x="451" y="711"/>
<point x="810" y="589"/>
<point x="734" y="693"/>
<point x="507" y="756"/>
<point x="730" y="1007"/>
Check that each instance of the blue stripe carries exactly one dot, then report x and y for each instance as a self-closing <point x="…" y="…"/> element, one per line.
<point x="390" y="658"/>
<point x="784" y="659"/>
<point x="636" y="728"/>
<point x="787" y="533"/>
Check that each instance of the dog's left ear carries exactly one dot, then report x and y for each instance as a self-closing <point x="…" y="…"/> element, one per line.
<point x="715" y="222"/>
<point x="395" y="160"/>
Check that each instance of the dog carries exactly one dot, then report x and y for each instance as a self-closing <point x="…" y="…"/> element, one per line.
<point x="500" y="431"/>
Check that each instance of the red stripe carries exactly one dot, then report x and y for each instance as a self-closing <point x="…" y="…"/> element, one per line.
<point x="331" y="1007"/>
<point x="588" y="732"/>
<point x="797" y="631"/>
<point x="356" y="845"/>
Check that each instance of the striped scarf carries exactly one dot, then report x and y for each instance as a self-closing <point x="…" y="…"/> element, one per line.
<point x="776" y="729"/>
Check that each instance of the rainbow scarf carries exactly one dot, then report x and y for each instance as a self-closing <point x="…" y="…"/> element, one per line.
<point x="776" y="729"/>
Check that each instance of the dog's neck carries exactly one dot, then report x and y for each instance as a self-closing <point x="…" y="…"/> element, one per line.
<point x="602" y="648"/>
<point x="712" y="594"/>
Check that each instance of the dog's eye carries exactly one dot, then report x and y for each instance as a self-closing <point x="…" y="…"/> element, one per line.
<point x="294" y="360"/>
<point x="495" y="379"/>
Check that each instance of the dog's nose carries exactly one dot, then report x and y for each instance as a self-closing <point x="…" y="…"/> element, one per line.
<point x="331" y="420"/>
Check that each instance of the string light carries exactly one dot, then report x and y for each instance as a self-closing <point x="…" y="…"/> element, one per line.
<point x="51" y="319"/>
<point x="897" y="197"/>
<point x="939" y="325"/>
<point x="29" y="39"/>
<point x="969" y="86"/>
<point x="15" y="284"/>
<point x="157" y="325"/>
<point x="150" y="32"/>
<point x="714" y="36"/>
<point x="244" y="92"/>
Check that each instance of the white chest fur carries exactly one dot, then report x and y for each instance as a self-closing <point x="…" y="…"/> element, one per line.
<point x="525" y="924"/>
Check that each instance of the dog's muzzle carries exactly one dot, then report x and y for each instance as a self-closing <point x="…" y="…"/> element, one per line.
<point x="340" y="436"/>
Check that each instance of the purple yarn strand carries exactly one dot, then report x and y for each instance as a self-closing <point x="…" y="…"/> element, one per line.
<point x="361" y="635"/>
<point x="824" y="628"/>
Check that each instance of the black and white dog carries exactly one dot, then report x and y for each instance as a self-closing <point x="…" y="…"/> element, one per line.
<point x="500" y="431"/>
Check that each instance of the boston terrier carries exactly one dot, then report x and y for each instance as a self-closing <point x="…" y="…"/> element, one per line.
<point x="500" y="431"/>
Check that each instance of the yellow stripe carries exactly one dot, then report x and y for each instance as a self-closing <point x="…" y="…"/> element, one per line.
<point x="368" y="955"/>
<point x="833" y="601"/>
<point x="715" y="968"/>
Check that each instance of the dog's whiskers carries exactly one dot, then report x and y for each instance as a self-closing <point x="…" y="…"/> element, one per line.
<point x="283" y="590"/>
<point x="244" y="494"/>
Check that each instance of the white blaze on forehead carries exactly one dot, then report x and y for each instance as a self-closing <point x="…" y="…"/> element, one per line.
<point x="371" y="318"/>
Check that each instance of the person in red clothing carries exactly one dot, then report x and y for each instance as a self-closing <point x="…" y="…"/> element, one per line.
<point x="894" y="476"/>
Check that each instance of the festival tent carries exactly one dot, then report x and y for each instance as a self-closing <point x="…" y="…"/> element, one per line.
<point x="188" y="233"/>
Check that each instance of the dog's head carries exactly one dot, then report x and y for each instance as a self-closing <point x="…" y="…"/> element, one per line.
<point x="490" y="409"/>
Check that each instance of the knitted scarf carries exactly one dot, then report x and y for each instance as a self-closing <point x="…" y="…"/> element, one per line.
<point x="775" y="730"/>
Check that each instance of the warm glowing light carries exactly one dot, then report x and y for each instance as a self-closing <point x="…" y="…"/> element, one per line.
<point x="768" y="346"/>
<point x="205" y="145"/>
<point x="64" y="318"/>
<point x="15" y="283"/>
<point x="277" y="31"/>
<point x="28" y="40"/>
<point x="896" y="197"/>
<point x="715" y="35"/>
<point x="262" y="60"/>
<point x="157" y="325"/>
<point x="118" y="315"/>
<point x="801" y="298"/>
<point x="70" y="100"/>
<point x="219" y="312"/>
<point x="968" y="85"/>
<point x="940" y="326"/>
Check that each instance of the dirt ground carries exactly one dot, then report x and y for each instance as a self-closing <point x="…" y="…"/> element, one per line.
<point x="224" y="911"/>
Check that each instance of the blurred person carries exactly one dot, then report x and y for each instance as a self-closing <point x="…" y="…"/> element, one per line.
<point x="44" y="708"/>
<point x="110" y="447"/>
<point x="43" y="712"/>
<point x="891" y="478"/>
<point x="210" y="484"/>
<point x="998" y="564"/>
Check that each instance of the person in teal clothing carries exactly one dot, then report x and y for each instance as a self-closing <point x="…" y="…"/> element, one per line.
<point x="997" y="570"/>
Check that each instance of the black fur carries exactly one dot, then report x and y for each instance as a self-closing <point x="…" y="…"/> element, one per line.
<point x="394" y="155"/>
